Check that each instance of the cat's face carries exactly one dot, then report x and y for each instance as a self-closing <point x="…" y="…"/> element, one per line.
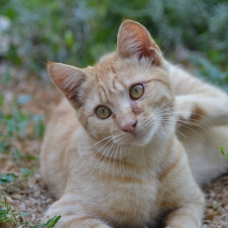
<point x="126" y="97"/>
<point x="122" y="100"/>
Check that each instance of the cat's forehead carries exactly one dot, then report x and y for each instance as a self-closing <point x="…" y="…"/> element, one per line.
<point x="110" y="81"/>
<point x="118" y="76"/>
<point x="107" y="84"/>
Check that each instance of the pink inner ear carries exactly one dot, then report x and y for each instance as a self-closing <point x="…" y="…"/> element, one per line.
<point x="69" y="80"/>
<point x="133" y="39"/>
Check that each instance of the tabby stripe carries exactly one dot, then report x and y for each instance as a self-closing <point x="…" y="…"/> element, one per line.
<point x="76" y="221"/>
<point x="123" y="179"/>
<point x="112" y="160"/>
<point x="160" y="81"/>
<point x="172" y="166"/>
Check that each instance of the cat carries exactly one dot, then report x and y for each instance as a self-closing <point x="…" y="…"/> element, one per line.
<point x="114" y="150"/>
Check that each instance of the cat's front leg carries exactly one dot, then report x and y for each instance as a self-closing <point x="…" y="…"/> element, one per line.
<point x="181" y="194"/>
<point x="72" y="216"/>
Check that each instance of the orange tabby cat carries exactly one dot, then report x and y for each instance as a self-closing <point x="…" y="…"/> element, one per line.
<point x="116" y="161"/>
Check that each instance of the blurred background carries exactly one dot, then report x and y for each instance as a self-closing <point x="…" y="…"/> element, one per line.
<point x="78" y="32"/>
<point x="193" y="33"/>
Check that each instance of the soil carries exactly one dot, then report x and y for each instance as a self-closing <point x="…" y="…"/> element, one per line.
<point x="29" y="197"/>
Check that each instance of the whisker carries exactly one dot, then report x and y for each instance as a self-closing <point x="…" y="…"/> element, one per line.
<point x="124" y="171"/>
<point x="190" y="123"/>
<point x="164" y="105"/>
<point x="110" y="158"/>
<point x="158" y="111"/>
<point x="101" y="156"/>
<point x="179" y="132"/>
<point x="97" y="143"/>
<point x="108" y="149"/>
<point x="197" y="125"/>
<point x="114" y="164"/>
<point x="192" y="130"/>
<point x="95" y="153"/>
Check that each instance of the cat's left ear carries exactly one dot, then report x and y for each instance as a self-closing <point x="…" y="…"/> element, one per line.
<point x="134" y="40"/>
<point x="69" y="80"/>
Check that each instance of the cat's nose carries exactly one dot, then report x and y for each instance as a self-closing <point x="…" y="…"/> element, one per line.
<point x="129" y="126"/>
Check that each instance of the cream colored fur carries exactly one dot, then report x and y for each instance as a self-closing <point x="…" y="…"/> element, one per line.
<point x="105" y="177"/>
<point x="202" y="138"/>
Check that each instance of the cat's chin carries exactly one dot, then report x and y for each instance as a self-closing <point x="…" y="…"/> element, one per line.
<point x="142" y="139"/>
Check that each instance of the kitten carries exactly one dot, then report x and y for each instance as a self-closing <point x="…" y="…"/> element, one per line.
<point x="116" y="161"/>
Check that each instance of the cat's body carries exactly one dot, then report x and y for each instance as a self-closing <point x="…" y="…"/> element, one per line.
<point x="128" y="168"/>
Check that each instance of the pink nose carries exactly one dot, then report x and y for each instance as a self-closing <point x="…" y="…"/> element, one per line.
<point x="129" y="126"/>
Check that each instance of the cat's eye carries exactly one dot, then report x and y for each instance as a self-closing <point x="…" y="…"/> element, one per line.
<point x="103" y="112"/>
<point x="136" y="91"/>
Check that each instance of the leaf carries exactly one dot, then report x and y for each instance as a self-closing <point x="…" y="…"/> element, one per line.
<point x="39" y="126"/>
<point x="17" y="154"/>
<point x="7" y="214"/>
<point x="4" y="145"/>
<point x="223" y="152"/>
<point x="6" y="77"/>
<point x="27" y="172"/>
<point x="50" y="223"/>
<point x="217" y="205"/>
<point x="69" y="38"/>
<point x="1" y="100"/>
<point x="23" y="99"/>
<point x="7" y="178"/>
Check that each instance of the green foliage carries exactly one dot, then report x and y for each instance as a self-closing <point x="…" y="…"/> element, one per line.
<point x="78" y="32"/>
<point x="205" y="69"/>
<point x="15" y="122"/>
<point x="39" y="126"/>
<point x="223" y="152"/>
<point x="18" y="155"/>
<point x="27" y="172"/>
<point x="7" y="214"/>
<point x="9" y="217"/>
<point x="50" y="223"/>
<point x="7" y="178"/>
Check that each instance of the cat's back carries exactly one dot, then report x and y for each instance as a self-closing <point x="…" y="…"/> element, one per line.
<point x="54" y="156"/>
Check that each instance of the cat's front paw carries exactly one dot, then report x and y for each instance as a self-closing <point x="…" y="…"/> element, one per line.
<point x="188" y="112"/>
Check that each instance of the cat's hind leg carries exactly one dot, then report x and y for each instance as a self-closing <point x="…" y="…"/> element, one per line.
<point x="203" y="149"/>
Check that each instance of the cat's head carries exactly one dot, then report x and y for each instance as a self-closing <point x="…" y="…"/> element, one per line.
<point x="127" y="96"/>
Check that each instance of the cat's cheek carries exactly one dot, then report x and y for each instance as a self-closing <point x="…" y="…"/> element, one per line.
<point x="98" y="128"/>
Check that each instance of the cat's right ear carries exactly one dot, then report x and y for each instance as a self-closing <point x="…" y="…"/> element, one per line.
<point x="69" y="80"/>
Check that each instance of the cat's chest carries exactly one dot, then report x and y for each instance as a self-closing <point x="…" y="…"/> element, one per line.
<point x="130" y="199"/>
<point x="141" y="198"/>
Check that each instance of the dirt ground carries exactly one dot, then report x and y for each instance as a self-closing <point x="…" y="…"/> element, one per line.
<point x="30" y="195"/>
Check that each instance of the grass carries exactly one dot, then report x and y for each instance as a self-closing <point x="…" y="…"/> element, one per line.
<point x="11" y="219"/>
<point x="223" y="152"/>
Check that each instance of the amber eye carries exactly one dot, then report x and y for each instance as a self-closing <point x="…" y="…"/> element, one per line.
<point x="136" y="91"/>
<point x="103" y="112"/>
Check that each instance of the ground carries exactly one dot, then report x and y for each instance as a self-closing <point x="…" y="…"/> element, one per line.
<point x="28" y="195"/>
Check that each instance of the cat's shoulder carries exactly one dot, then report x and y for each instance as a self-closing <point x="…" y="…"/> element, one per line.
<point x="64" y="115"/>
